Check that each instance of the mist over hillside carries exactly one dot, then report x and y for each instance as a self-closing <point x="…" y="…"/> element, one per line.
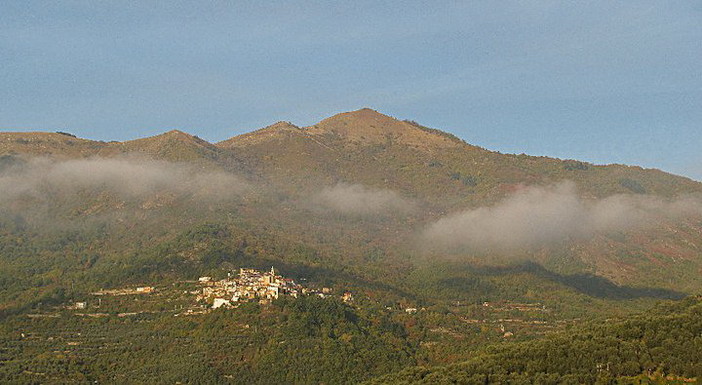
<point x="536" y="216"/>
<point x="363" y="178"/>
<point x="444" y="247"/>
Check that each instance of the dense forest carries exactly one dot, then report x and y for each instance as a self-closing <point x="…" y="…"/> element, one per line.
<point x="661" y="346"/>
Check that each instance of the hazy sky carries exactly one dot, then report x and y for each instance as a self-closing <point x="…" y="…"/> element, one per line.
<point x="602" y="81"/>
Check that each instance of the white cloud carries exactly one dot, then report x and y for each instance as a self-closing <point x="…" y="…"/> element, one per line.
<point x="538" y="216"/>
<point x="43" y="178"/>
<point x="356" y="199"/>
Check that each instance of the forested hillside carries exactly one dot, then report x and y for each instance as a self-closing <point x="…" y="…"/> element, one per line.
<point x="451" y="252"/>
<point x="663" y="346"/>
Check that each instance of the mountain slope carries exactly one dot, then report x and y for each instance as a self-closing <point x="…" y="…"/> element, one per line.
<point x="368" y="147"/>
<point x="423" y="174"/>
<point x="660" y="347"/>
<point x="536" y="247"/>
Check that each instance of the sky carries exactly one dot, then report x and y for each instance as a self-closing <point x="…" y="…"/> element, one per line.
<point x="600" y="81"/>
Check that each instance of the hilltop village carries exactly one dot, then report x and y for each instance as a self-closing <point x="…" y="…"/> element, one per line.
<point x="254" y="285"/>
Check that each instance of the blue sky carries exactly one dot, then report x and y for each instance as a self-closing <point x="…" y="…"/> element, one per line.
<point x="602" y="81"/>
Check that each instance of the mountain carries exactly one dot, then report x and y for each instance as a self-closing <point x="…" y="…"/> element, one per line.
<point x="447" y="175"/>
<point x="456" y="256"/>
<point x="365" y="146"/>
<point x="297" y="171"/>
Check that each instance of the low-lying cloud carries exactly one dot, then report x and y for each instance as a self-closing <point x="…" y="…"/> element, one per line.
<point x="539" y="216"/>
<point x="359" y="200"/>
<point x="129" y="178"/>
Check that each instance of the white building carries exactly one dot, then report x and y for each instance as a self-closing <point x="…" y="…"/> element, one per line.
<point x="219" y="302"/>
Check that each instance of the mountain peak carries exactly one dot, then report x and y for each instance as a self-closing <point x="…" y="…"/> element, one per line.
<point x="368" y="126"/>
<point x="364" y="116"/>
<point x="167" y="137"/>
<point x="173" y="145"/>
<point x="277" y="129"/>
<point x="176" y="133"/>
<point x="281" y="125"/>
<point x="365" y="113"/>
<point x="180" y="135"/>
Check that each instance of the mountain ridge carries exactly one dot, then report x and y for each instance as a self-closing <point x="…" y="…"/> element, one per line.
<point x="342" y="125"/>
<point x="356" y="194"/>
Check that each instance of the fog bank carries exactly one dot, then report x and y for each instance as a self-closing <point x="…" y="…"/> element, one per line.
<point x="539" y="216"/>
<point x="359" y="200"/>
<point x="44" y="179"/>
